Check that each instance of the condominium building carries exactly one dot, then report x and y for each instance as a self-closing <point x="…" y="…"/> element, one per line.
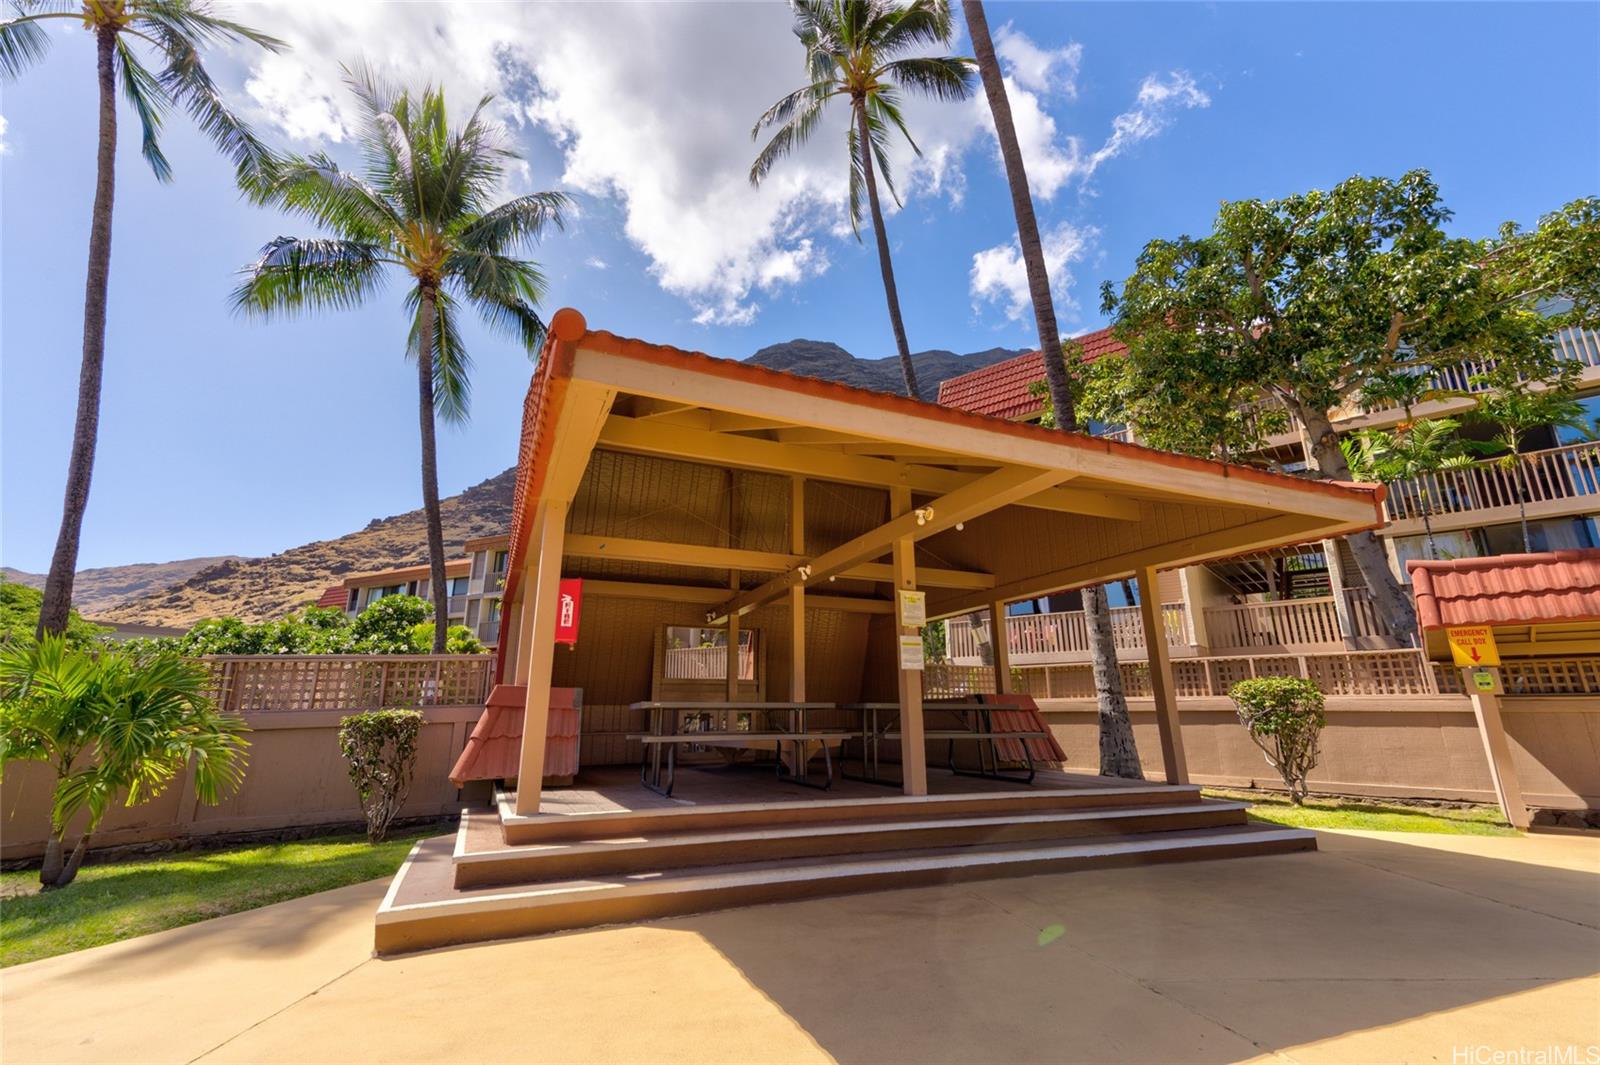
<point x="475" y="583"/>
<point x="1312" y="598"/>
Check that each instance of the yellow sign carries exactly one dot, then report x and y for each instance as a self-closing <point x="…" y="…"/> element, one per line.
<point x="913" y="608"/>
<point x="1473" y="645"/>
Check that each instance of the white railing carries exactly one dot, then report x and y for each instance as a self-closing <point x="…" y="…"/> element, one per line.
<point x="1283" y="624"/>
<point x="1405" y="671"/>
<point x="1571" y="472"/>
<point x="1064" y="636"/>
<point x="705" y="663"/>
<point x="1364" y="617"/>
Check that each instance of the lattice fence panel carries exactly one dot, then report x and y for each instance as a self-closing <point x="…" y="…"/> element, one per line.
<point x="1551" y="676"/>
<point x="285" y="683"/>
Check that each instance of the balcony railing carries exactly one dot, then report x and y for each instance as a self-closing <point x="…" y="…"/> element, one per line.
<point x="1571" y="472"/>
<point x="706" y="663"/>
<point x="1291" y="624"/>
<point x="1063" y="637"/>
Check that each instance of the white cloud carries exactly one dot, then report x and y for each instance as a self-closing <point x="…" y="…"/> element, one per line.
<point x="1000" y="277"/>
<point x="594" y="262"/>
<point x="1041" y="70"/>
<point x="3" y="124"/>
<point x="649" y="106"/>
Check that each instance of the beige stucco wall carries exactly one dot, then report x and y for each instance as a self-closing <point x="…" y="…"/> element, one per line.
<point x="295" y="777"/>
<point x="1424" y="747"/>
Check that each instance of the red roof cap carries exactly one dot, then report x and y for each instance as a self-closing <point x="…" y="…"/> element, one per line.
<point x="1001" y="390"/>
<point x="334" y="596"/>
<point x="1540" y="589"/>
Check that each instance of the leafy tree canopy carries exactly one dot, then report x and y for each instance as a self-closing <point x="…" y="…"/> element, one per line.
<point x="19" y="616"/>
<point x="394" y="625"/>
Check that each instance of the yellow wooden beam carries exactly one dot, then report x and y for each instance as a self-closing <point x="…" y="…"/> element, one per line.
<point x="776" y="456"/>
<point x="662" y="552"/>
<point x="987" y="493"/>
<point x="688" y="593"/>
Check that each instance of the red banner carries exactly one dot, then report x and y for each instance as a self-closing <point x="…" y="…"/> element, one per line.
<point x="569" y="605"/>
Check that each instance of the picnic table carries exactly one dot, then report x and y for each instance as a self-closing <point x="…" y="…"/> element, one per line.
<point x="978" y="726"/>
<point x="777" y="723"/>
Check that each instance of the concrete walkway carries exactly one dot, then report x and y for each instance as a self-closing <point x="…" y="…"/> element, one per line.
<point x="1381" y="947"/>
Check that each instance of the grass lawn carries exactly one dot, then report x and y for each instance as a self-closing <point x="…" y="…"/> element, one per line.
<point x="1368" y="815"/>
<point x="120" y="900"/>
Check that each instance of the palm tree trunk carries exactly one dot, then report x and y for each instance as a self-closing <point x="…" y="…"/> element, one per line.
<point x="1118" y="755"/>
<point x="1387" y="597"/>
<point x="1522" y="503"/>
<point x="50" y="868"/>
<point x="430" y="473"/>
<point x="890" y="292"/>
<point x="70" y="873"/>
<point x="57" y="605"/>
<point x="1427" y="528"/>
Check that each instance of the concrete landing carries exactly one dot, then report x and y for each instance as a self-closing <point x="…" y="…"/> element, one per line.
<point x="1378" y="947"/>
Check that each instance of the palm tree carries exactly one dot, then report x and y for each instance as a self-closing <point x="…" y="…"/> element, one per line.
<point x="176" y="30"/>
<point x="110" y="723"/>
<point x="1119" y="756"/>
<point x="1408" y="455"/>
<point x="422" y="204"/>
<point x="855" y="49"/>
<point x="1514" y="410"/>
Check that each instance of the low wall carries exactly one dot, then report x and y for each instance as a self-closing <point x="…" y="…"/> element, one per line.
<point x="296" y="777"/>
<point x="1412" y="746"/>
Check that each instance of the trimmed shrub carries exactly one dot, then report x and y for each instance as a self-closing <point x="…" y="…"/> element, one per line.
<point x="380" y="747"/>
<point x="1284" y="717"/>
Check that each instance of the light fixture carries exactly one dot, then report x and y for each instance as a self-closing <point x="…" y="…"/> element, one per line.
<point x="960" y="525"/>
<point x="924" y="515"/>
<point x="805" y="573"/>
<point x="832" y="578"/>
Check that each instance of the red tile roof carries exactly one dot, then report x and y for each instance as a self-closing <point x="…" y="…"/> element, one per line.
<point x="494" y="750"/>
<point x="334" y="596"/>
<point x="1001" y="390"/>
<point x="1541" y="589"/>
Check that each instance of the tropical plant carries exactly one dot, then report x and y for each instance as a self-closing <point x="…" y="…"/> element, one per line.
<point x="1405" y="456"/>
<point x="458" y="640"/>
<point x="110" y="723"/>
<point x="423" y="205"/>
<point x="19" y="617"/>
<point x="380" y="747"/>
<point x="176" y="31"/>
<point x="1119" y="756"/>
<point x="1308" y="301"/>
<point x="856" y="50"/>
<point x="1514" y="409"/>
<point x="1284" y="717"/>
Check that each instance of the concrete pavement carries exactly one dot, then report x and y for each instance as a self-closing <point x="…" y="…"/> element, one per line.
<point x="1379" y="947"/>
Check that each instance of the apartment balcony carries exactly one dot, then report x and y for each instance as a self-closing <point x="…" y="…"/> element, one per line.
<point x="1044" y="639"/>
<point x="1551" y="483"/>
<point x="1290" y="626"/>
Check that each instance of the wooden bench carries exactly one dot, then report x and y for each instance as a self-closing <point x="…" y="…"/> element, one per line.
<point x="650" y="769"/>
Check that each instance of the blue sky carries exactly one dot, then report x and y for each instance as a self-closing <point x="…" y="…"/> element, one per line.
<point x="227" y="436"/>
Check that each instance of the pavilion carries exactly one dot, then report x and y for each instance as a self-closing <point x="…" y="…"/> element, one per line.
<point x="787" y="515"/>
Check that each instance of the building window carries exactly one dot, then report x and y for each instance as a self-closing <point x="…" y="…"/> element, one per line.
<point x="500" y="559"/>
<point x="458" y="586"/>
<point x="1559" y="534"/>
<point x="1458" y="544"/>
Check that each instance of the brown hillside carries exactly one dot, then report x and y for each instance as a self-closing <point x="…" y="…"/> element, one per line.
<point x="97" y="591"/>
<point x="258" y="589"/>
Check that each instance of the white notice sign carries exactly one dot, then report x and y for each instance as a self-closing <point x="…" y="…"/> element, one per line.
<point x="913" y="608"/>
<point x="911" y="652"/>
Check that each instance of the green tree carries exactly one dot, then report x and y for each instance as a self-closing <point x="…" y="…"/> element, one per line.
<point x="1119" y="756"/>
<point x="459" y="640"/>
<point x="19" y="617"/>
<point x="424" y="204"/>
<point x="1302" y="302"/>
<point x="856" y="50"/>
<point x="387" y="627"/>
<point x="1409" y="453"/>
<point x="110" y="723"/>
<point x="175" y="31"/>
<point x="1514" y="409"/>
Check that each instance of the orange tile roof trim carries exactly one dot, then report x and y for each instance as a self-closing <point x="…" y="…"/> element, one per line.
<point x="1549" y="588"/>
<point x="569" y="331"/>
<point x="1002" y="389"/>
<point x="454" y="567"/>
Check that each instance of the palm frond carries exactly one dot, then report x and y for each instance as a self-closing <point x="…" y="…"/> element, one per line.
<point x="452" y="365"/>
<point x="514" y="222"/>
<point x="938" y="77"/>
<point x="794" y="132"/>
<point x="330" y="197"/>
<point x="295" y="273"/>
<point x="196" y="22"/>
<point x="505" y="291"/>
<point x="879" y="107"/>
<point x="919" y="23"/>
<point x="23" y="42"/>
<point x="149" y="101"/>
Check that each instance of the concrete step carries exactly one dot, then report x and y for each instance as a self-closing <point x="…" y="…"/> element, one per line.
<point x="480" y="866"/>
<point x="520" y="829"/>
<point x="424" y="909"/>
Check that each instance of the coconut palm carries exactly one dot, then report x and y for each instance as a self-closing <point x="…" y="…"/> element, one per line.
<point x="1514" y="409"/>
<point x="1406" y="456"/>
<point x="422" y="206"/>
<point x="856" y="50"/>
<point x="1118" y="755"/>
<point x="175" y="30"/>
<point x="110" y="724"/>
